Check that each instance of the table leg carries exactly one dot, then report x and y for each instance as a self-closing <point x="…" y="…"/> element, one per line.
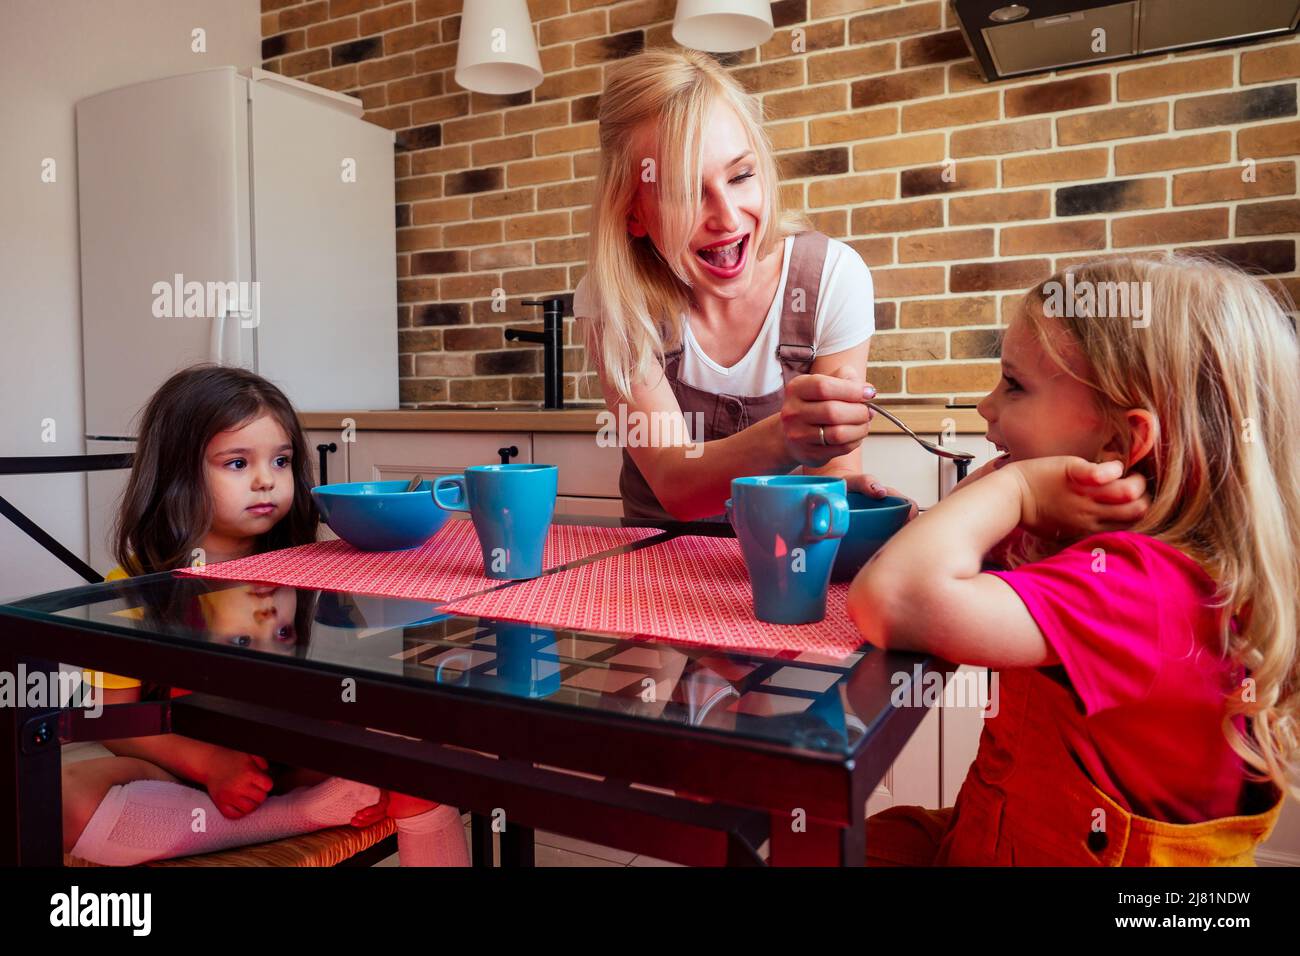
<point x="480" y="841"/>
<point x="31" y="797"/>
<point x="517" y="846"/>
<point x="816" y="844"/>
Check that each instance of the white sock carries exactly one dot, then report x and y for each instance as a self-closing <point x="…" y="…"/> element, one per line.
<point x="156" y="820"/>
<point x="433" y="838"/>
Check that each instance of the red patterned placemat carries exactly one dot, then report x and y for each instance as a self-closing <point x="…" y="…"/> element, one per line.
<point x="446" y="566"/>
<point x="692" y="589"/>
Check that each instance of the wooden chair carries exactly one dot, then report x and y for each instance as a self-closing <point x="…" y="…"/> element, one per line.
<point x="335" y="846"/>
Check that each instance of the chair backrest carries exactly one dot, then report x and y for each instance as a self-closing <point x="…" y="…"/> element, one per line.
<point x="56" y="465"/>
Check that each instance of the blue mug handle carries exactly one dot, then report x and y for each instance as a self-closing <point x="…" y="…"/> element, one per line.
<point x="451" y="481"/>
<point x="828" y="517"/>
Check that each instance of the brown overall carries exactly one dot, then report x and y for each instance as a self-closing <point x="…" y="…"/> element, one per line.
<point x="725" y="415"/>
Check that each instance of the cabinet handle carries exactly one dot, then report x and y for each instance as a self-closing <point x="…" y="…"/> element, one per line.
<point x="507" y="453"/>
<point x="324" y="451"/>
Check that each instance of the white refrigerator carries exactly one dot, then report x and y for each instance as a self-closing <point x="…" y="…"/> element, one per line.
<point x="242" y="183"/>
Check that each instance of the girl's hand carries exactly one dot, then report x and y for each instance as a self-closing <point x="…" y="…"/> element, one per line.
<point x="1066" y="497"/>
<point x="830" y="405"/>
<point x="238" y="783"/>
<point x="872" y="487"/>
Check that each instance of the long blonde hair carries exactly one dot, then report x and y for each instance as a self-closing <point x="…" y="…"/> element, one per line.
<point x="1216" y="363"/>
<point x="638" y="294"/>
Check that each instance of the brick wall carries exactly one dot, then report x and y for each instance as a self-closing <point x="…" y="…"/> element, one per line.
<point x="956" y="193"/>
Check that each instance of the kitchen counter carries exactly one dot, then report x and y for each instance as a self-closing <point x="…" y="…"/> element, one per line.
<point x="923" y="419"/>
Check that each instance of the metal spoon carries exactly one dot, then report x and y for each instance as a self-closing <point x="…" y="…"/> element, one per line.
<point x="927" y="445"/>
<point x="414" y="483"/>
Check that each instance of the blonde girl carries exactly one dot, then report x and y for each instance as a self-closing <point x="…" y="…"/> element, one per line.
<point x="1146" y="649"/>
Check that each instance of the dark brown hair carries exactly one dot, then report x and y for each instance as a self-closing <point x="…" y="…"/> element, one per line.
<point x="166" y="510"/>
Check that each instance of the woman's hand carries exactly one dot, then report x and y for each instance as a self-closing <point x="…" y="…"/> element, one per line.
<point x="237" y="782"/>
<point x="829" y="405"/>
<point x="1065" y="497"/>
<point x="872" y="487"/>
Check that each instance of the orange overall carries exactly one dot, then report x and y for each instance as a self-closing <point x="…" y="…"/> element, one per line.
<point x="1027" y="802"/>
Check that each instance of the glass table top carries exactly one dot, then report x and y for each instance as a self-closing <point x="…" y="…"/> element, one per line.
<point x="800" y="701"/>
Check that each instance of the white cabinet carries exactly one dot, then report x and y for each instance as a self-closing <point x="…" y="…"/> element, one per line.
<point x="961" y="723"/>
<point x="104" y="491"/>
<point x="1282" y="848"/>
<point x="575" y="505"/>
<point x="901" y="463"/>
<point x="335" y="452"/>
<point x="913" y="778"/>
<point x="977" y="445"/>
<point x="385" y="456"/>
<point x="587" y="469"/>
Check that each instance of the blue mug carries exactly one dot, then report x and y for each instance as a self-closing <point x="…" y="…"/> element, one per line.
<point x="789" y="529"/>
<point x="527" y="661"/>
<point x="511" y="506"/>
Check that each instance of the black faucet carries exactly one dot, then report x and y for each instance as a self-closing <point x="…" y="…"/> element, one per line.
<point x="551" y="339"/>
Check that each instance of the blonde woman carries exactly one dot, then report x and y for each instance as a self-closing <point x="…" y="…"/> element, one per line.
<point x="734" y="339"/>
<point x="1148" y="707"/>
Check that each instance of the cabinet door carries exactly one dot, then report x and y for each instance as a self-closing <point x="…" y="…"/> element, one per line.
<point x="336" y="460"/>
<point x="574" y="505"/>
<point x="104" y="490"/>
<point x="977" y="445"/>
<point x="901" y="463"/>
<point x="389" y="455"/>
<point x="961" y="721"/>
<point x="385" y="456"/>
<point x="1282" y="848"/>
<point x="913" y="779"/>
<point x="960" y="726"/>
<point x="586" y="468"/>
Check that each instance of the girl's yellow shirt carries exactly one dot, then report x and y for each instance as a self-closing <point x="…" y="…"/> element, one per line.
<point x="115" y="681"/>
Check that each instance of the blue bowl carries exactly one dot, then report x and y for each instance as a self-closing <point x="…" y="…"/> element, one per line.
<point x="872" y="522"/>
<point x="380" y="515"/>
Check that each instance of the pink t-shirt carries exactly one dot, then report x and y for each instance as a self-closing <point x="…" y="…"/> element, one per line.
<point x="1140" y="645"/>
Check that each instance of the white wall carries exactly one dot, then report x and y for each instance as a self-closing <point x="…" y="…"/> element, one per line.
<point x="53" y="53"/>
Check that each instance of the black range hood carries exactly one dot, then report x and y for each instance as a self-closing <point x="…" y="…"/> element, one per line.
<point x="1036" y="36"/>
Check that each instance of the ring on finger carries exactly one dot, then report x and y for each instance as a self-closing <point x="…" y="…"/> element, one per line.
<point x="821" y="429"/>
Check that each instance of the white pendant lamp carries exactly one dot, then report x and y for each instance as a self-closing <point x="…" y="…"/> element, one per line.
<point x="722" y="26"/>
<point x="497" y="52"/>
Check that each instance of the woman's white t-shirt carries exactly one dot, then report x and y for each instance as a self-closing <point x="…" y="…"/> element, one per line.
<point x="845" y="318"/>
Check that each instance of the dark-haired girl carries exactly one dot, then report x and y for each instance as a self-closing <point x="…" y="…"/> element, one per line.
<point x="220" y="473"/>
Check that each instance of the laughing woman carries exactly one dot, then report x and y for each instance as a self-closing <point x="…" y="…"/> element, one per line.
<point x="707" y="306"/>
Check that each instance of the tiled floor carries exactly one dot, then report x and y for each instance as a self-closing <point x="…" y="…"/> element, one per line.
<point x="552" y="849"/>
